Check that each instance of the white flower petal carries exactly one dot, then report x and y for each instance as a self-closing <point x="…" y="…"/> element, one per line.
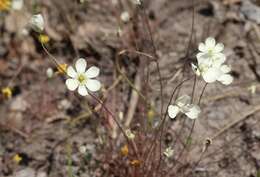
<point x="201" y="55"/>
<point x="219" y="48"/>
<point x="219" y="59"/>
<point x="195" y="69"/>
<point x="183" y="100"/>
<point x="92" y="72"/>
<point x="81" y="65"/>
<point x="71" y="72"/>
<point x="93" y="85"/>
<point x="72" y="84"/>
<point x="193" y="111"/>
<point x="17" y="4"/>
<point x="211" y="75"/>
<point x="173" y="111"/>
<point x="210" y="42"/>
<point x="37" y="22"/>
<point x="226" y="79"/>
<point x="225" y="69"/>
<point x="204" y="62"/>
<point x="202" y="47"/>
<point x="82" y="90"/>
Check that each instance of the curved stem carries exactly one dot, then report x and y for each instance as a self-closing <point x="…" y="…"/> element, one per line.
<point x="117" y="122"/>
<point x="193" y="124"/>
<point x="154" y="143"/>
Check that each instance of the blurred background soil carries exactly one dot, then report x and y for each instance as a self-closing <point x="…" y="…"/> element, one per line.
<point x="45" y="124"/>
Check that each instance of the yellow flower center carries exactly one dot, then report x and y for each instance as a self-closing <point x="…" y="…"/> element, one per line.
<point x="82" y="79"/>
<point x="210" y="52"/>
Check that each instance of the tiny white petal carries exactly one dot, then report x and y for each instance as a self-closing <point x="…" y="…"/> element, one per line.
<point x="137" y="2"/>
<point x="37" y="22"/>
<point x="92" y="72"/>
<point x="199" y="55"/>
<point x="93" y="85"/>
<point x="49" y="72"/>
<point x="125" y="17"/>
<point x="225" y="69"/>
<point x="81" y="65"/>
<point x="71" y="72"/>
<point x="168" y="152"/>
<point x="82" y="90"/>
<point x="72" y="84"/>
<point x="183" y="100"/>
<point x="202" y="47"/>
<point x="173" y="111"/>
<point x="193" y="111"/>
<point x="195" y="69"/>
<point x="17" y="4"/>
<point x="211" y="75"/>
<point x="219" y="47"/>
<point x="210" y="42"/>
<point x="219" y="59"/>
<point x="202" y="56"/>
<point x="226" y="79"/>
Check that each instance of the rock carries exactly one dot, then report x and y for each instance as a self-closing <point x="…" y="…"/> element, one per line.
<point x="41" y="174"/>
<point x="18" y="104"/>
<point x="16" y="21"/>
<point x="27" y="172"/>
<point x="250" y="11"/>
<point x="64" y="104"/>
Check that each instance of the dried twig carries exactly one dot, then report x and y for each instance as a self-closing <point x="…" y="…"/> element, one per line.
<point x="15" y="130"/>
<point x="245" y="115"/>
<point x="133" y="101"/>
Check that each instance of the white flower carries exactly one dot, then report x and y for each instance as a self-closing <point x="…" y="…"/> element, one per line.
<point x="82" y="78"/>
<point x="214" y="73"/>
<point x="129" y="134"/>
<point x="49" y="73"/>
<point x="17" y="4"/>
<point x="225" y="78"/>
<point x="183" y="104"/>
<point x="168" y="152"/>
<point x="210" y="49"/>
<point x="252" y="89"/>
<point x="137" y="2"/>
<point x="211" y="63"/>
<point x="37" y="22"/>
<point x="83" y="149"/>
<point x="125" y="17"/>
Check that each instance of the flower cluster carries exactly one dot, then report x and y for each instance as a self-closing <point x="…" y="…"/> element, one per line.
<point x="183" y="105"/>
<point x="211" y="63"/>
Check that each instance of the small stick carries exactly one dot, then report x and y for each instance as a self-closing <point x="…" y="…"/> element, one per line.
<point x="15" y="130"/>
<point x="243" y="117"/>
<point x="133" y="101"/>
